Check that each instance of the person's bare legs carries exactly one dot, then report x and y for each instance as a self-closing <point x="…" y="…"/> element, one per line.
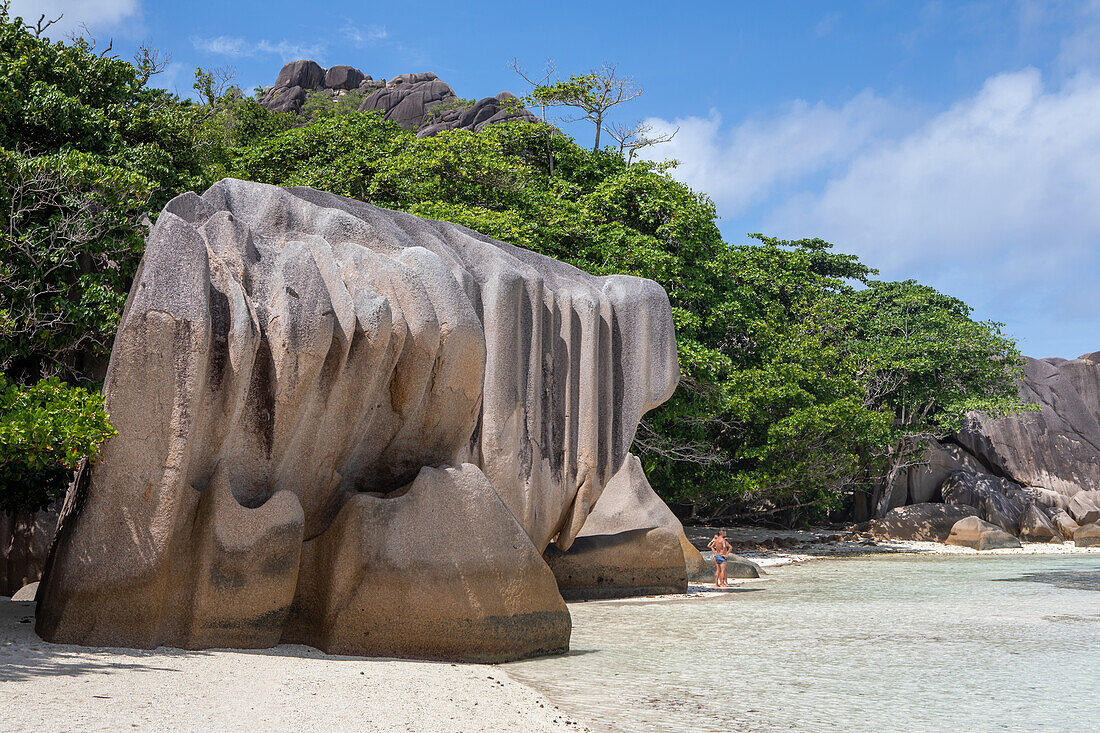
<point x="717" y="573"/>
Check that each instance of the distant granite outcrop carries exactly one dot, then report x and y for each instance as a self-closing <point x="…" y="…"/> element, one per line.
<point x="1034" y="475"/>
<point x="421" y="102"/>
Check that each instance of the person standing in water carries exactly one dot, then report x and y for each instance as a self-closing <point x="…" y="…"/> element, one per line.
<point x="721" y="548"/>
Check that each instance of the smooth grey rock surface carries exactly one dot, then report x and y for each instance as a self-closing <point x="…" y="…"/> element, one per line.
<point x="302" y="73"/>
<point x="1057" y="448"/>
<point x="623" y="552"/>
<point x="1035" y="526"/>
<point x="408" y="102"/>
<point x="289" y="367"/>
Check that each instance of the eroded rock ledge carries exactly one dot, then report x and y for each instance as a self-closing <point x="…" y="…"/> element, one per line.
<point x="351" y="428"/>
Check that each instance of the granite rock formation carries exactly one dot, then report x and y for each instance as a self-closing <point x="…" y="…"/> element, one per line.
<point x="1031" y="473"/>
<point x="920" y="522"/>
<point x="410" y="100"/>
<point x="1087" y="535"/>
<point x="351" y="428"/>
<point x="631" y="544"/>
<point x="24" y="544"/>
<point x="978" y="535"/>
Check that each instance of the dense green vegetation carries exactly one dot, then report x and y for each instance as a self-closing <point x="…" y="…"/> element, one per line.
<point x="804" y="381"/>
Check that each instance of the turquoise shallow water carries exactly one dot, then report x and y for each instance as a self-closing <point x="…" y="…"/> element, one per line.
<point x="881" y="643"/>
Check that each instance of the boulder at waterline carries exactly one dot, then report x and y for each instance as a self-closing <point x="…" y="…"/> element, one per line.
<point x="290" y="368"/>
<point x="639" y="562"/>
<point x="1036" y="527"/>
<point x="980" y="535"/>
<point x="1087" y="535"/>
<point x="920" y="522"/>
<point x="1083" y="508"/>
<point x="624" y="539"/>
<point x="1065" y="524"/>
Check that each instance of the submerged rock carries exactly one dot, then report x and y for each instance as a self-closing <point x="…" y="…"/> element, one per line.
<point x="980" y="535"/>
<point x="335" y="418"/>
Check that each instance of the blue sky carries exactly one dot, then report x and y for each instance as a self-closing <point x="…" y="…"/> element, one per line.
<point x="956" y="143"/>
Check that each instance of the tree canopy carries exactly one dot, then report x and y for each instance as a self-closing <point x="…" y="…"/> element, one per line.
<point x="804" y="381"/>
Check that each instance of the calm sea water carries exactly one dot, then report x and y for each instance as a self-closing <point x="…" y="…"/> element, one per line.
<point x="883" y="643"/>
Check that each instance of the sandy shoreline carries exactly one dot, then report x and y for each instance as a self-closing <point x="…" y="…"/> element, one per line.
<point x="60" y="687"/>
<point x="57" y="687"/>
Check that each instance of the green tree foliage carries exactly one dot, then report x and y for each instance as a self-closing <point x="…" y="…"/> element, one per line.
<point x="925" y="364"/>
<point x="45" y="430"/>
<point x="87" y="153"/>
<point x="803" y="380"/>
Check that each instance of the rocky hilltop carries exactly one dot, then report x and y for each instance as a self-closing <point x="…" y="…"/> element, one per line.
<point x="420" y="102"/>
<point x="1035" y="475"/>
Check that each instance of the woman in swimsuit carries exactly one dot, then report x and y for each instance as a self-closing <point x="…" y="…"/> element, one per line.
<point x="718" y="544"/>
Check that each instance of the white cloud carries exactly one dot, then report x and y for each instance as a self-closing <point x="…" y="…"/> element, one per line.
<point x="107" y="14"/>
<point x="236" y="47"/>
<point x="364" y="35"/>
<point x="995" y="199"/>
<point x="743" y="166"/>
<point x="980" y="184"/>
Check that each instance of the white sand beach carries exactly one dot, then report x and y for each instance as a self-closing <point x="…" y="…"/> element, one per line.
<point x="51" y="687"/>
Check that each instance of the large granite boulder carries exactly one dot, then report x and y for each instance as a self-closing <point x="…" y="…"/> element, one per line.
<point x="1087" y="535"/>
<point x="920" y="522"/>
<point x="302" y="73"/>
<point x="624" y="546"/>
<point x="998" y="501"/>
<point x="972" y="532"/>
<point x="1056" y="448"/>
<point x="284" y="99"/>
<point x="24" y="544"/>
<point x="1083" y="508"/>
<point x="920" y="484"/>
<point x="504" y="107"/>
<point x="342" y="76"/>
<point x="407" y="99"/>
<point x="1035" y="526"/>
<point x="334" y="418"/>
<point x="639" y="562"/>
<point x="1065" y="524"/>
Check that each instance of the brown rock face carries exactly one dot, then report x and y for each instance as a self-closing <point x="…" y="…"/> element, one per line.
<point x="1065" y="524"/>
<point x="1036" y="527"/>
<point x="352" y="428"/>
<point x="637" y="562"/>
<point x="976" y="534"/>
<point x="631" y="544"/>
<point x="1087" y="535"/>
<point x="24" y="543"/>
<point x="920" y="522"/>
